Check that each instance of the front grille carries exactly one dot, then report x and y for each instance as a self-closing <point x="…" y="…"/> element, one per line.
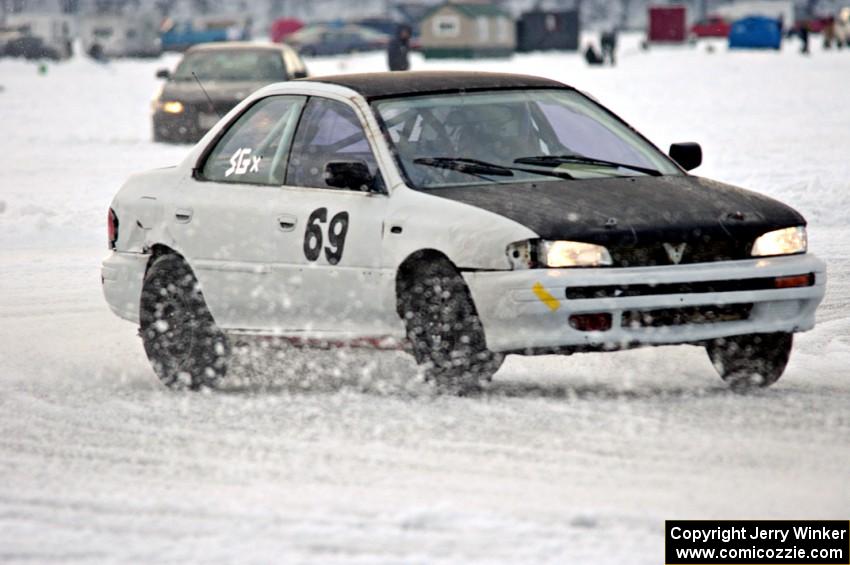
<point x="218" y="108"/>
<point x="701" y="287"/>
<point x="689" y="315"/>
<point x="694" y="252"/>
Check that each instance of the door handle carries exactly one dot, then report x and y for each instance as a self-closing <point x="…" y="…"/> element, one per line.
<point x="286" y="222"/>
<point x="183" y="215"/>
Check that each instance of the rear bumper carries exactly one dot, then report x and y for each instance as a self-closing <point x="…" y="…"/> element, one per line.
<point x="123" y="275"/>
<point x="515" y="318"/>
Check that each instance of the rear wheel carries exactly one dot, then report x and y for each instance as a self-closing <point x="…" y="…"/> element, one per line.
<point x="181" y="339"/>
<point x="751" y="361"/>
<point x="443" y="327"/>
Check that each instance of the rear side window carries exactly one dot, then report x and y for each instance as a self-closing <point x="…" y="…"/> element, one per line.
<point x="329" y="131"/>
<point x="255" y="148"/>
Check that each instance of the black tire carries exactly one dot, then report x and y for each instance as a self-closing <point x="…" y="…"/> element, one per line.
<point x="182" y="341"/>
<point x="443" y="328"/>
<point x="751" y="361"/>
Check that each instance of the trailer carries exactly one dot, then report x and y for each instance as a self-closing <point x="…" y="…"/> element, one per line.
<point x="120" y="36"/>
<point x="668" y="24"/>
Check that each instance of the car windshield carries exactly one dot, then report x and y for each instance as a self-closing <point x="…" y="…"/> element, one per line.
<point x="232" y="65"/>
<point x="513" y="136"/>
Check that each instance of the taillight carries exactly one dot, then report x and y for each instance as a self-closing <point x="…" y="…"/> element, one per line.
<point x="112" y="228"/>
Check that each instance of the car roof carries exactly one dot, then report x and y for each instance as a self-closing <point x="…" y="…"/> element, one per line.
<point x="411" y="83"/>
<point x="234" y="46"/>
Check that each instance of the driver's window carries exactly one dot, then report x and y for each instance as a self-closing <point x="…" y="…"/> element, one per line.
<point x="328" y="131"/>
<point x="256" y="147"/>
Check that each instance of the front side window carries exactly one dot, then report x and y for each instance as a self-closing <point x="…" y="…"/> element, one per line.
<point x="255" y="148"/>
<point x="329" y="131"/>
<point x="513" y="136"/>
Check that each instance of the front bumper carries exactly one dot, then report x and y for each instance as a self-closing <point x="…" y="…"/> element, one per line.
<point x="123" y="275"/>
<point x="516" y="319"/>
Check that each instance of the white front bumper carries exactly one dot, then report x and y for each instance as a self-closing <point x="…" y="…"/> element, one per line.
<point x="515" y="318"/>
<point x="123" y="275"/>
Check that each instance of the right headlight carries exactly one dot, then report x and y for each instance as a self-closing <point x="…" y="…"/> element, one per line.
<point x="786" y="241"/>
<point x="557" y="254"/>
<point x="172" y="107"/>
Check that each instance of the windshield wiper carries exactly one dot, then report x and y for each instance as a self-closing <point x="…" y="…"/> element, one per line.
<point x="480" y="168"/>
<point x="554" y="160"/>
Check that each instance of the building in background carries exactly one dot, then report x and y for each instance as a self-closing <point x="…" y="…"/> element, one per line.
<point x="467" y="30"/>
<point x="541" y="30"/>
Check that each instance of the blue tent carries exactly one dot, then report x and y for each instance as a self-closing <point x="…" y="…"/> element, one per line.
<point x="755" y="32"/>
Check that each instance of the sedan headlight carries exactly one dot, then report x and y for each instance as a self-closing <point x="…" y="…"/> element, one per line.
<point x="557" y="254"/>
<point x="787" y="241"/>
<point x="172" y="107"/>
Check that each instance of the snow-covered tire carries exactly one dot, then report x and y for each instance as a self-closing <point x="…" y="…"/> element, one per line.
<point x="751" y="361"/>
<point x="182" y="341"/>
<point x="443" y="328"/>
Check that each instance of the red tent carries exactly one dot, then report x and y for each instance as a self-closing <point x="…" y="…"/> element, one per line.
<point x="282" y="27"/>
<point x="667" y="24"/>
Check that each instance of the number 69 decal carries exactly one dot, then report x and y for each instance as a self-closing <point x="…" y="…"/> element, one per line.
<point x="313" y="237"/>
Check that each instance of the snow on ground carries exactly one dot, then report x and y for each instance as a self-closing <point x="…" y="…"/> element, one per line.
<point x="348" y="459"/>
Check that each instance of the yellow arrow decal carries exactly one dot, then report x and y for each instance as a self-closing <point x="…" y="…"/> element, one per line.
<point x="545" y="296"/>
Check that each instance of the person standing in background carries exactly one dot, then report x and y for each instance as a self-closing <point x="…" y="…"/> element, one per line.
<point x="608" y="42"/>
<point x="399" y="48"/>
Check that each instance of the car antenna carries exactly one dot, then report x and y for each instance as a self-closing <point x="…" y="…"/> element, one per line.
<point x="204" y="90"/>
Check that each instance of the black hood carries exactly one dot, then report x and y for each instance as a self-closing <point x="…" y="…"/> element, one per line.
<point x="231" y="92"/>
<point x="634" y="212"/>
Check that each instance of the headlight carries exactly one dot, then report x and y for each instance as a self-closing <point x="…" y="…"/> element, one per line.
<point x="781" y="242"/>
<point x="172" y="107"/>
<point x="557" y="254"/>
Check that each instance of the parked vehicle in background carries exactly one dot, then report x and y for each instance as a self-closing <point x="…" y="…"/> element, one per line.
<point x="712" y="26"/>
<point x="228" y="72"/>
<point x="29" y="47"/>
<point x="120" y="36"/>
<point x="40" y="36"/>
<point x="282" y="28"/>
<point x="179" y="36"/>
<point x="326" y="39"/>
<point x="390" y="28"/>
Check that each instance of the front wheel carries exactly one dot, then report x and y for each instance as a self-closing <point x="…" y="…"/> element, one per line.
<point x="443" y="328"/>
<point x="182" y="341"/>
<point x="751" y="361"/>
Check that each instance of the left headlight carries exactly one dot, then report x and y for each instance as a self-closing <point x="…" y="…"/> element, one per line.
<point x="557" y="254"/>
<point x="786" y="241"/>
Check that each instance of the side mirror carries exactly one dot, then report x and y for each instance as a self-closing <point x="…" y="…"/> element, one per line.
<point x="353" y="175"/>
<point x="300" y="74"/>
<point x="163" y="73"/>
<point x="688" y="155"/>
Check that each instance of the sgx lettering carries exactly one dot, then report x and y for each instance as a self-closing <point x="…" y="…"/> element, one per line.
<point x="243" y="162"/>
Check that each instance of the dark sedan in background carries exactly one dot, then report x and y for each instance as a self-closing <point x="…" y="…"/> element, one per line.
<point x="327" y="39"/>
<point x="213" y="78"/>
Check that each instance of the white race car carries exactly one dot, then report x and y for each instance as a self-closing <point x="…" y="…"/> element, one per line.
<point x="461" y="216"/>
